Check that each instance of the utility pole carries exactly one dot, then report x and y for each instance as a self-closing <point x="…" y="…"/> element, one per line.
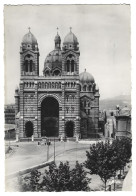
<point x="54" y="150"/>
<point x="9" y="137"/>
<point x="47" y="149"/>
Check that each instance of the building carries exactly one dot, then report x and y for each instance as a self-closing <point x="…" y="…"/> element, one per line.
<point x="9" y="111"/>
<point x="123" y="123"/>
<point x="62" y="102"/>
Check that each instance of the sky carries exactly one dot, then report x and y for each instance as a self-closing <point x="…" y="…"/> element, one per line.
<point x="103" y="33"/>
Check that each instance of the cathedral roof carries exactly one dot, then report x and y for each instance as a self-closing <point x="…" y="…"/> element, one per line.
<point x="86" y="77"/>
<point x="29" y="38"/>
<point x="70" y="38"/>
<point x="53" y="59"/>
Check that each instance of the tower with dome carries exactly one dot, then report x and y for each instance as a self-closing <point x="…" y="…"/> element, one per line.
<point x="62" y="102"/>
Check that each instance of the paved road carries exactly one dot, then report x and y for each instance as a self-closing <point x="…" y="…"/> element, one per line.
<point x="29" y="154"/>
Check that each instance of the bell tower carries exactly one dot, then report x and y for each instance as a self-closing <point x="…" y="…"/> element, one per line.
<point x="29" y="55"/>
<point x="70" y="55"/>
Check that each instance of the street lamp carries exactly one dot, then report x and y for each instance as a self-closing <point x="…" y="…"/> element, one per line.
<point x="9" y="137"/>
<point x="54" y="149"/>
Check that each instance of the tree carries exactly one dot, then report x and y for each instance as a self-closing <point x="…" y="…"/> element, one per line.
<point x="100" y="161"/>
<point x="122" y="150"/>
<point x="63" y="179"/>
<point x="57" y="179"/>
<point x="30" y="182"/>
<point x="105" y="159"/>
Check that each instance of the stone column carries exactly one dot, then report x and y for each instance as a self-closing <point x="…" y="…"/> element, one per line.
<point x="36" y="111"/>
<point x="21" y="131"/>
<point x="77" y="120"/>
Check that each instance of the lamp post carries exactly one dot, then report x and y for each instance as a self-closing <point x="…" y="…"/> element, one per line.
<point x="48" y="149"/>
<point x="9" y="137"/>
<point x="54" y="149"/>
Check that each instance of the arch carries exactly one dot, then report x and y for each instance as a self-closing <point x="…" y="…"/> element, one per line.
<point x="56" y="72"/>
<point x="47" y="73"/>
<point x="50" y="117"/>
<point x="28" y="129"/>
<point x="48" y="95"/>
<point x="69" y="128"/>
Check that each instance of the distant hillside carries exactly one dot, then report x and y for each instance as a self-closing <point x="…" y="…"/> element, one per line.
<point x="111" y="103"/>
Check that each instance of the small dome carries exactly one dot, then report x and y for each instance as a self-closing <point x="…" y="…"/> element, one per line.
<point x="57" y="41"/>
<point x="70" y="38"/>
<point x="57" y="38"/>
<point x="29" y="38"/>
<point x="53" y="59"/>
<point x="86" y="77"/>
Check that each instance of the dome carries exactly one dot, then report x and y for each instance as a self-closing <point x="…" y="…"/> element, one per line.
<point x="86" y="77"/>
<point x="29" y="38"/>
<point x="70" y="38"/>
<point x="57" y="38"/>
<point x="53" y="59"/>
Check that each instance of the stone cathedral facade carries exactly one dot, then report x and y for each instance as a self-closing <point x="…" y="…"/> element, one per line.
<point x="62" y="102"/>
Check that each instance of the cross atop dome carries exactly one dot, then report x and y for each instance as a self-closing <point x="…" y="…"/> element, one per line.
<point x="57" y="30"/>
<point x="29" y="29"/>
<point x="70" y="29"/>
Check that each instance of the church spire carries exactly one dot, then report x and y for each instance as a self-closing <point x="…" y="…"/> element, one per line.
<point x="57" y="40"/>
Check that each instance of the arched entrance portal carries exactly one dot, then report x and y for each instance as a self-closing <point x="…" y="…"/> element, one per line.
<point x="50" y="117"/>
<point x="29" y="129"/>
<point x="69" y="128"/>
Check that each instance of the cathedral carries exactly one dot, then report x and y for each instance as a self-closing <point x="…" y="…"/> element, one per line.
<point x="62" y="102"/>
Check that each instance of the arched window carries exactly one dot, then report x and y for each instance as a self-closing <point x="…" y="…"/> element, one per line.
<point x="84" y="88"/>
<point x="39" y="85"/>
<point x="42" y="84"/>
<point x="72" y="66"/>
<point x="31" y="64"/>
<point x="88" y="111"/>
<point x="67" y="97"/>
<point x="89" y="87"/>
<point x="73" y="98"/>
<point x="67" y="109"/>
<point x="72" y="109"/>
<point x="68" y="66"/>
<point x="26" y="65"/>
<point x="47" y="73"/>
<point x="56" y="73"/>
<point x="79" y="87"/>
